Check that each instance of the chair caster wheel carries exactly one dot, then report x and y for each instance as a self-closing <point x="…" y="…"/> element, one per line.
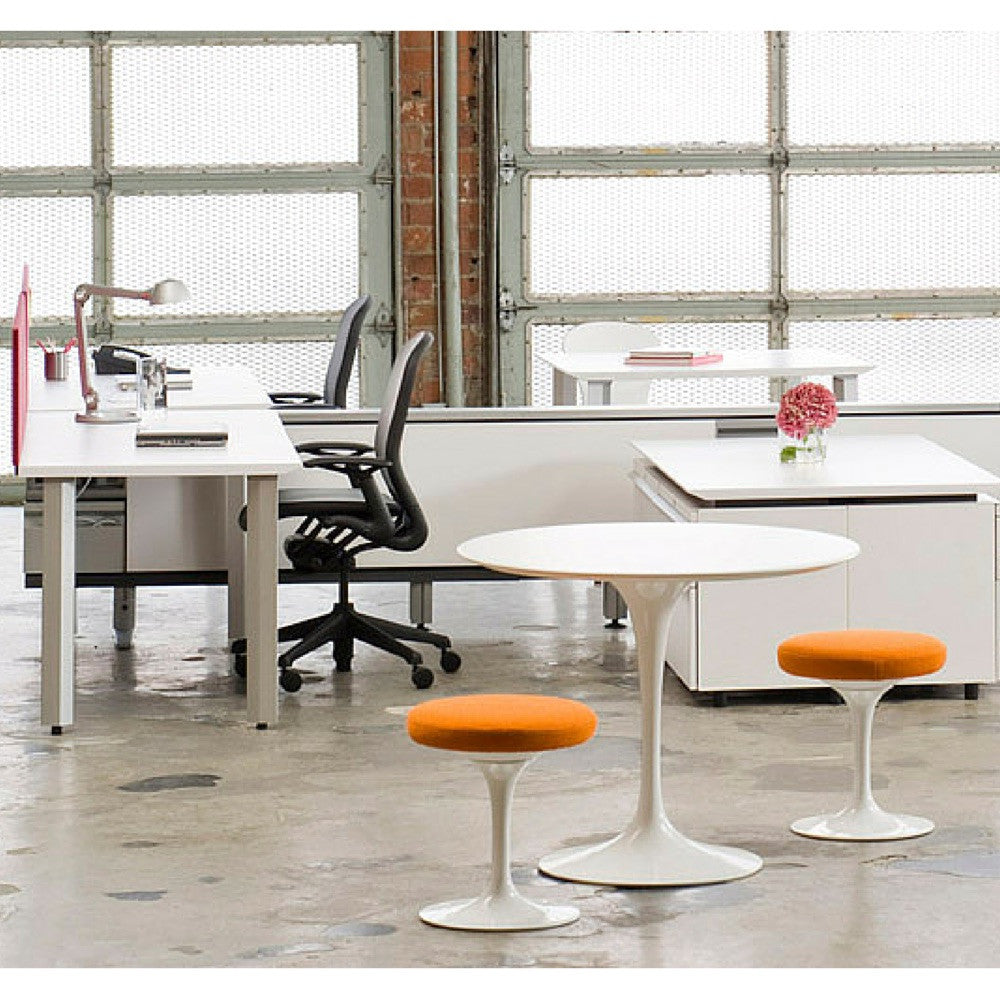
<point x="290" y="680"/>
<point x="450" y="661"/>
<point x="342" y="666"/>
<point x="240" y="665"/>
<point x="422" y="677"/>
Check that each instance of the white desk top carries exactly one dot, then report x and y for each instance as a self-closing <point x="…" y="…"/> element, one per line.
<point x="56" y="446"/>
<point x="769" y="363"/>
<point x="890" y="465"/>
<point x="655" y="550"/>
<point x="215" y="388"/>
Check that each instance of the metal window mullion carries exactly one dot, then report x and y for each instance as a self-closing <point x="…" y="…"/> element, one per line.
<point x="100" y="151"/>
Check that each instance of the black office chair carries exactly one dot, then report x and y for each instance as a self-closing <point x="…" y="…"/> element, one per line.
<point x="338" y="371"/>
<point x="337" y="525"/>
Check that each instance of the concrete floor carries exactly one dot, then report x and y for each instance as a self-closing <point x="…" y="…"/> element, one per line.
<point x="162" y="831"/>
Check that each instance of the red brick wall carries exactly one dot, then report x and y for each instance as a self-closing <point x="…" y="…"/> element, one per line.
<point x="421" y="268"/>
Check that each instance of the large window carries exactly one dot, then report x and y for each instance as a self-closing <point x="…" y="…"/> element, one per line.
<point x="741" y="189"/>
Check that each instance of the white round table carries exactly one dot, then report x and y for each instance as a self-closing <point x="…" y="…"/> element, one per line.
<point x="651" y="563"/>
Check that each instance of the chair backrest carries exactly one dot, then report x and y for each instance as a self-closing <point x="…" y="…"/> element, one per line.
<point x="389" y="439"/>
<point x="345" y="348"/>
<point x="612" y="337"/>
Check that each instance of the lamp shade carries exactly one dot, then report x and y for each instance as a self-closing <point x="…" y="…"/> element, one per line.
<point x="169" y="290"/>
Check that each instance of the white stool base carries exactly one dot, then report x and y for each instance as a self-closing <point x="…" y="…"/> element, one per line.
<point x="648" y="857"/>
<point x="497" y="913"/>
<point x="862" y="824"/>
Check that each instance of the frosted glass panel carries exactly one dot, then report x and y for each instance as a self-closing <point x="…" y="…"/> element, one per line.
<point x="53" y="237"/>
<point x="240" y="254"/>
<point x="647" y="88"/>
<point x="892" y="87"/>
<point x="597" y="236"/>
<point x="715" y="392"/>
<point x="44" y="107"/>
<point x="235" y="104"/>
<point x="917" y="361"/>
<point x="908" y="231"/>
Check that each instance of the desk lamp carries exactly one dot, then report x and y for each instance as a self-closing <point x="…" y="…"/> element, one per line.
<point x="161" y="293"/>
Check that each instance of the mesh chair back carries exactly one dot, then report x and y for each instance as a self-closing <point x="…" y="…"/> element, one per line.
<point x="345" y="348"/>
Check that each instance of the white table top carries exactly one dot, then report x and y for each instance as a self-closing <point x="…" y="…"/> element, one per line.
<point x="216" y="388"/>
<point x="885" y="465"/>
<point x="770" y="363"/>
<point x="56" y="446"/>
<point x="658" y="550"/>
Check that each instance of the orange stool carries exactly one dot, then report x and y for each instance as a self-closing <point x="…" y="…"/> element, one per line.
<point x="861" y="665"/>
<point x="501" y="733"/>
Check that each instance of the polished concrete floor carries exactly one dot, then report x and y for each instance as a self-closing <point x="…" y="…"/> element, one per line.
<point x="163" y="831"/>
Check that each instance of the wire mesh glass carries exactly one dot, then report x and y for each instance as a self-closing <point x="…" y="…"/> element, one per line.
<point x="600" y="236"/>
<point x="6" y="402"/>
<point x="235" y="104"/>
<point x="647" y="88"/>
<point x="693" y="392"/>
<point x="44" y="107"/>
<point x="240" y="254"/>
<point x="893" y="87"/>
<point x="53" y="237"/>
<point x="893" y="231"/>
<point x="916" y="361"/>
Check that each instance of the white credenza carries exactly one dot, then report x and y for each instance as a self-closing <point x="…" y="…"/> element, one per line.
<point x="928" y="562"/>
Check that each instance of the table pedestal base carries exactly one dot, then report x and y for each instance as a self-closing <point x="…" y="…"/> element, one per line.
<point x="650" y="857"/>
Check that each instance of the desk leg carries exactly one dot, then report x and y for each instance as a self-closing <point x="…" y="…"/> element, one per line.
<point x="597" y="393"/>
<point x="58" y="601"/>
<point x="261" y="603"/>
<point x="650" y="852"/>
<point x="236" y="554"/>
<point x="563" y="389"/>
<point x="845" y="388"/>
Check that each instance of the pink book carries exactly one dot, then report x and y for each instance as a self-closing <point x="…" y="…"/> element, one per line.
<point x="700" y="359"/>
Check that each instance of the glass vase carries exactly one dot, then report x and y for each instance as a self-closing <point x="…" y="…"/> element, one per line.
<point x="809" y="449"/>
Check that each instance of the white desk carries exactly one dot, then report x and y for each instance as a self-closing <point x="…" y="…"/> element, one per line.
<point x="216" y="388"/>
<point x="651" y="564"/>
<point x="596" y="372"/>
<point x="922" y="515"/>
<point x="58" y="450"/>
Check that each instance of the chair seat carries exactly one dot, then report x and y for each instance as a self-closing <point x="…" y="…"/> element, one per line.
<point x="501" y="723"/>
<point x="861" y="655"/>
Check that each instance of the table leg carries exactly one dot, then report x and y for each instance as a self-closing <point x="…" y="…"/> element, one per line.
<point x="597" y="392"/>
<point x="650" y="852"/>
<point x="845" y="388"/>
<point x="58" y="601"/>
<point x="261" y="600"/>
<point x="236" y="554"/>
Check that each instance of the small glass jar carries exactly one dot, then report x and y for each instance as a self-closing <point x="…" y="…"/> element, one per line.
<point x="810" y="448"/>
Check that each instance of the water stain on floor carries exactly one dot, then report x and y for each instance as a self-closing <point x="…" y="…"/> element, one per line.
<point x="960" y="865"/>
<point x="139" y="895"/>
<point x="164" y="781"/>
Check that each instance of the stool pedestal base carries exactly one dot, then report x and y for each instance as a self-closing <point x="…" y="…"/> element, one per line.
<point x="862" y="824"/>
<point x="497" y="913"/>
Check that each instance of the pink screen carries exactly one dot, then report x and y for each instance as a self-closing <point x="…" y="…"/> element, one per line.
<point x="19" y="367"/>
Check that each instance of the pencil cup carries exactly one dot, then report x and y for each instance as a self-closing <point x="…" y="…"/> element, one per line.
<point x="55" y="366"/>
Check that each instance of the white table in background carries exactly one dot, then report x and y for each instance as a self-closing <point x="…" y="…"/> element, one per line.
<point x="58" y="450"/>
<point x="596" y="372"/>
<point x="651" y="564"/>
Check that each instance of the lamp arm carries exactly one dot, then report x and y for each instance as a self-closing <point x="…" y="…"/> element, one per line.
<point x="90" y="397"/>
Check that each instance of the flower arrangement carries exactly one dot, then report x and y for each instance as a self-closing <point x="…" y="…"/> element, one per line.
<point x="806" y="410"/>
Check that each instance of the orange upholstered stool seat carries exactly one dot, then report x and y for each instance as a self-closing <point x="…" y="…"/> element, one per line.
<point x="861" y="655"/>
<point x="501" y="733"/>
<point x="861" y="665"/>
<point x="501" y="723"/>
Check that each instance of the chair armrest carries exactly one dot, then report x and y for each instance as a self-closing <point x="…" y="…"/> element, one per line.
<point x="351" y="465"/>
<point x="295" y="397"/>
<point x="333" y="448"/>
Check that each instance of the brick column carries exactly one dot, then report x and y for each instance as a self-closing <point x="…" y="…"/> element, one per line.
<point x="421" y="268"/>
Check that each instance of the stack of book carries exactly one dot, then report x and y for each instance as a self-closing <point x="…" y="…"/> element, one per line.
<point x="662" y="356"/>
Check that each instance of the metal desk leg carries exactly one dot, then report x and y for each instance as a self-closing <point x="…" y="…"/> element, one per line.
<point x="58" y="601"/>
<point x="563" y="389"/>
<point x="236" y="554"/>
<point x="845" y="388"/>
<point x="598" y="393"/>
<point x="260" y="607"/>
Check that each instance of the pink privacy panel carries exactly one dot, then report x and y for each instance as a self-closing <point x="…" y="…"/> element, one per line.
<point x="19" y="367"/>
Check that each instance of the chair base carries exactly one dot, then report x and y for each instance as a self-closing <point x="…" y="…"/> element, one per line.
<point x="862" y="824"/>
<point x="497" y="913"/>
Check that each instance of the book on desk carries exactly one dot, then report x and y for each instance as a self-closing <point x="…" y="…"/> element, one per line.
<point x="200" y="436"/>
<point x="654" y="357"/>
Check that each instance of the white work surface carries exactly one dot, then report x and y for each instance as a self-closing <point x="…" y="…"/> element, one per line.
<point x="596" y="372"/>
<point x="59" y="450"/>
<point x="890" y="465"/>
<point x="651" y="564"/>
<point x="218" y="388"/>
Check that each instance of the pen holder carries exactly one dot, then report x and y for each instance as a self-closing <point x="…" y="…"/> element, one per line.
<point x="55" y="366"/>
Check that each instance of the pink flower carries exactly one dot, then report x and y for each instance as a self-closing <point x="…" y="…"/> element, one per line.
<point x="804" y="407"/>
